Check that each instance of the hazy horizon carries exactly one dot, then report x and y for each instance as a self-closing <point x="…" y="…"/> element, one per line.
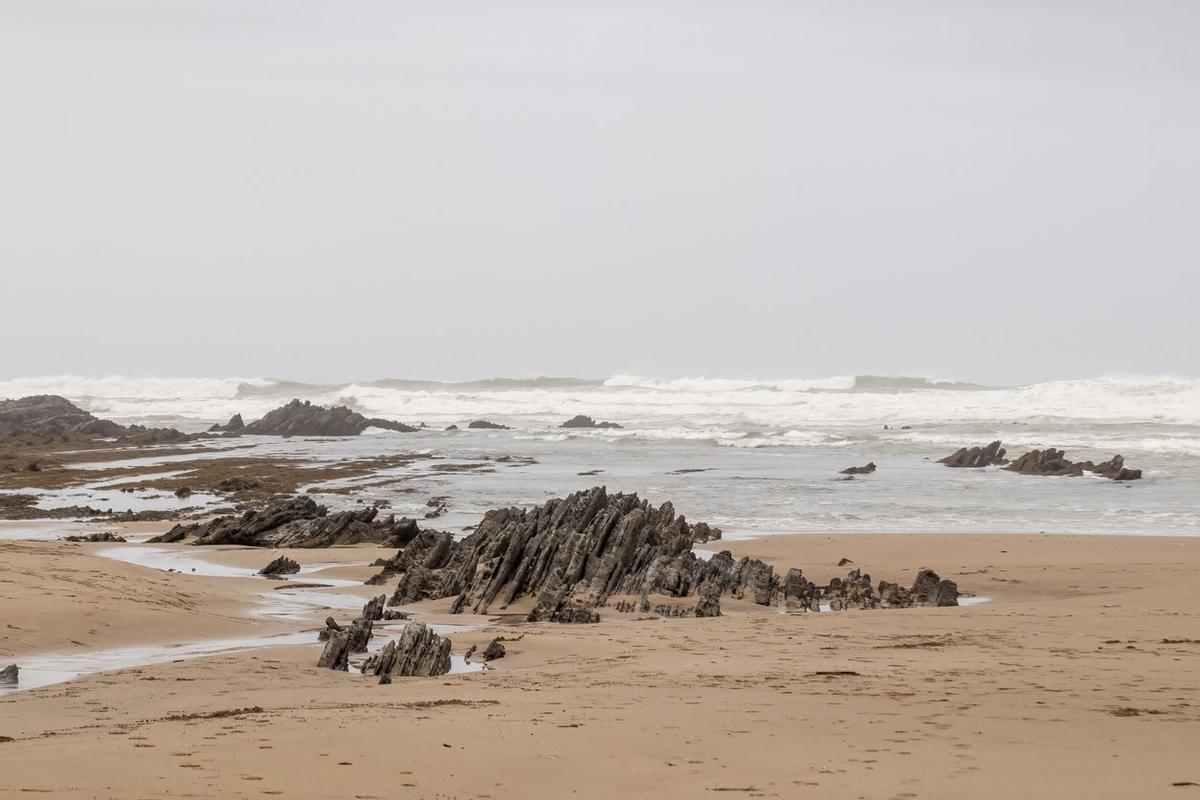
<point x="994" y="193"/>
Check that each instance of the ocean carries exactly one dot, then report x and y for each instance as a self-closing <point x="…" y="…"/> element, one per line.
<point x="750" y="456"/>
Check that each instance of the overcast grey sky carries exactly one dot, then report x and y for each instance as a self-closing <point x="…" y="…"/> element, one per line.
<point x="997" y="191"/>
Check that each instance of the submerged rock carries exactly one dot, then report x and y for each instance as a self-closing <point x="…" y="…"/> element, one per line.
<point x="863" y="470"/>
<point x="584" y="421"/>
<point x="281" y="566"/>
<point x="302" y="418"/>
<point x="1114" y="469"/>
<point x="976" y="457"/>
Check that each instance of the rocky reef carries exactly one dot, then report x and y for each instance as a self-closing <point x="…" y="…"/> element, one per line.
<point x="419" y="652"/>
<point x="976" y="457"/>
<point x="865" y="469"/>
<point x="584" y="421"/>
<point x="296" y="522"/>
<point x="1053" y="462"/>
<point x="570" y="555"/>
<point x="281" y="566"/>
<point x="46" y="415"/>
<point x="302" y="418"/>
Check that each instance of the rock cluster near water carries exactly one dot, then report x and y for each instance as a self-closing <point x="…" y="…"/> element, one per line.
<point x="296" y="522"/>
<point x="584" y="421"/>
<point x="106" y="536"/>
<point x="1048" y="462"/>
<point x="419" y="652"/>
<point x="302" y="418"/>
<point x="51" y="415"/>
<point x="280" y="566"/>
<point x="234" y="425"/>
<point x="866" y="469"/>
<point x="485" y="425"/>
<point x="570" y="555"/>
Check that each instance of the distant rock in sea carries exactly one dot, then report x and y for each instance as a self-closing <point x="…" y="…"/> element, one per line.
<point x="866" y="469"/>
<point x="976" y="457"/>
<point x="584" y="421"/>
<point x="302" y="418"/>
<point x="1054" y="463"/>
<point x="234" y="425"/>
<point x="483" y="424"/>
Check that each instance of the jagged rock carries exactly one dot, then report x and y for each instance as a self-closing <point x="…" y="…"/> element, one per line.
<point x="584" y="421"/>
<point x="975" y="457"/>
<point x="391" y="614"/>
<point x="280" y="566"/>
<point x="359" y="634"/>
<point x="1046" y="462"/>
<point x="1114" y="469"/>
<point x="494" y="650"/>
<point x="709" y="603"/>
<point x="930" y="590"/>
<point x="10" y="675"/>
<point x="183" y="491"/>
<point x="136" y="434"/>
<point x="336" y="654"/>
<point x="437" y="506"/>
<point x="483" y="424"/>
<point x="419" y="652"/>
<point x="106" y="536"/>
<point x="302" y="418"/>
<point x="177" y="534"/>
<point x="853" y="592"/>
<point x="866" y="469"/>
<point x="234" y="425"/>
<point x="703" y="532"/>
<point x="298" y="522"/>
<point x="330" y="628"/>
<point x="52" y="415"/>
<point x="373" y="610"/>
<point x="844" y="561"/>
<point x="572" y="554"/>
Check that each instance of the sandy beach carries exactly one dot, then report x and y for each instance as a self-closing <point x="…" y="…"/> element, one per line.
<point x="1076" y="677"/>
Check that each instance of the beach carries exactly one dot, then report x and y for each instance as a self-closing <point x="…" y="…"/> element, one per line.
<point x="1075" y="676"/>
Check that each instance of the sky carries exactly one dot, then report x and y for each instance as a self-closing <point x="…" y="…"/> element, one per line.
<point x="1003" y="192"/>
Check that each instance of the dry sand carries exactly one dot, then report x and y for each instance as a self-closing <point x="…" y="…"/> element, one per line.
<point x="1079" y="678"/>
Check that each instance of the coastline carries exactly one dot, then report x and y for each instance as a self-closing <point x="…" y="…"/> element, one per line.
<point x="1087" y="649"/>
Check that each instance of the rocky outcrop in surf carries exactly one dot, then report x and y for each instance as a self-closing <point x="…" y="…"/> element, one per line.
<point x="46" y="415"/>
<point x="485" y="425"/>
<point x="570" y="555"/>
<point x="297" y="522"/>
<point x="976" y="457"/>
<point x="1054" y="463"/>
<point x="302" y="418"/>
<point x="234" y="425"/>
<point x="866" y="469"/>
<point x="584" y="421"/>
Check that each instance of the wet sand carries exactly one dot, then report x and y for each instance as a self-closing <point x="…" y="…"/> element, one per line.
<point x="1079" y="677"/>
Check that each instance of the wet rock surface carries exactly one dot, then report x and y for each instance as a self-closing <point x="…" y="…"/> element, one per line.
<point x="484" y="425"/>
<point x="235" y="425"/>
<point x="976" y="457"/>
<point x="866" y="469"/>
<point x="1054" y="463"/>
<point x="584" y="421"/>
<point x="296" y="522"/>
<point x="49" y="415"/>
<point x="302" y="418"/>
<point x="571" y="554"/>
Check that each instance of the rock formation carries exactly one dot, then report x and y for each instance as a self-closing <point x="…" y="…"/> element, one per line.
<point x="280" y="566"/>
<point x="419" y="652"/>
<point x="1053" y="463"/>
<point x="495" y="650"/>
<point x="867" y="469"/>
<point x="51" y="415"/>
<point x="234" y="425"/>
<point x="297" y="522"/>
<point x="584" y="421"/>
<point x="571" y="554"/>
<point x="336" y="654"/>
<point x="106" y="536"/>
<point x="302" y="418"/>
<point x="975" y="457"/>
<point x="10" y="675"/>
<point x="483" y="424"/>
